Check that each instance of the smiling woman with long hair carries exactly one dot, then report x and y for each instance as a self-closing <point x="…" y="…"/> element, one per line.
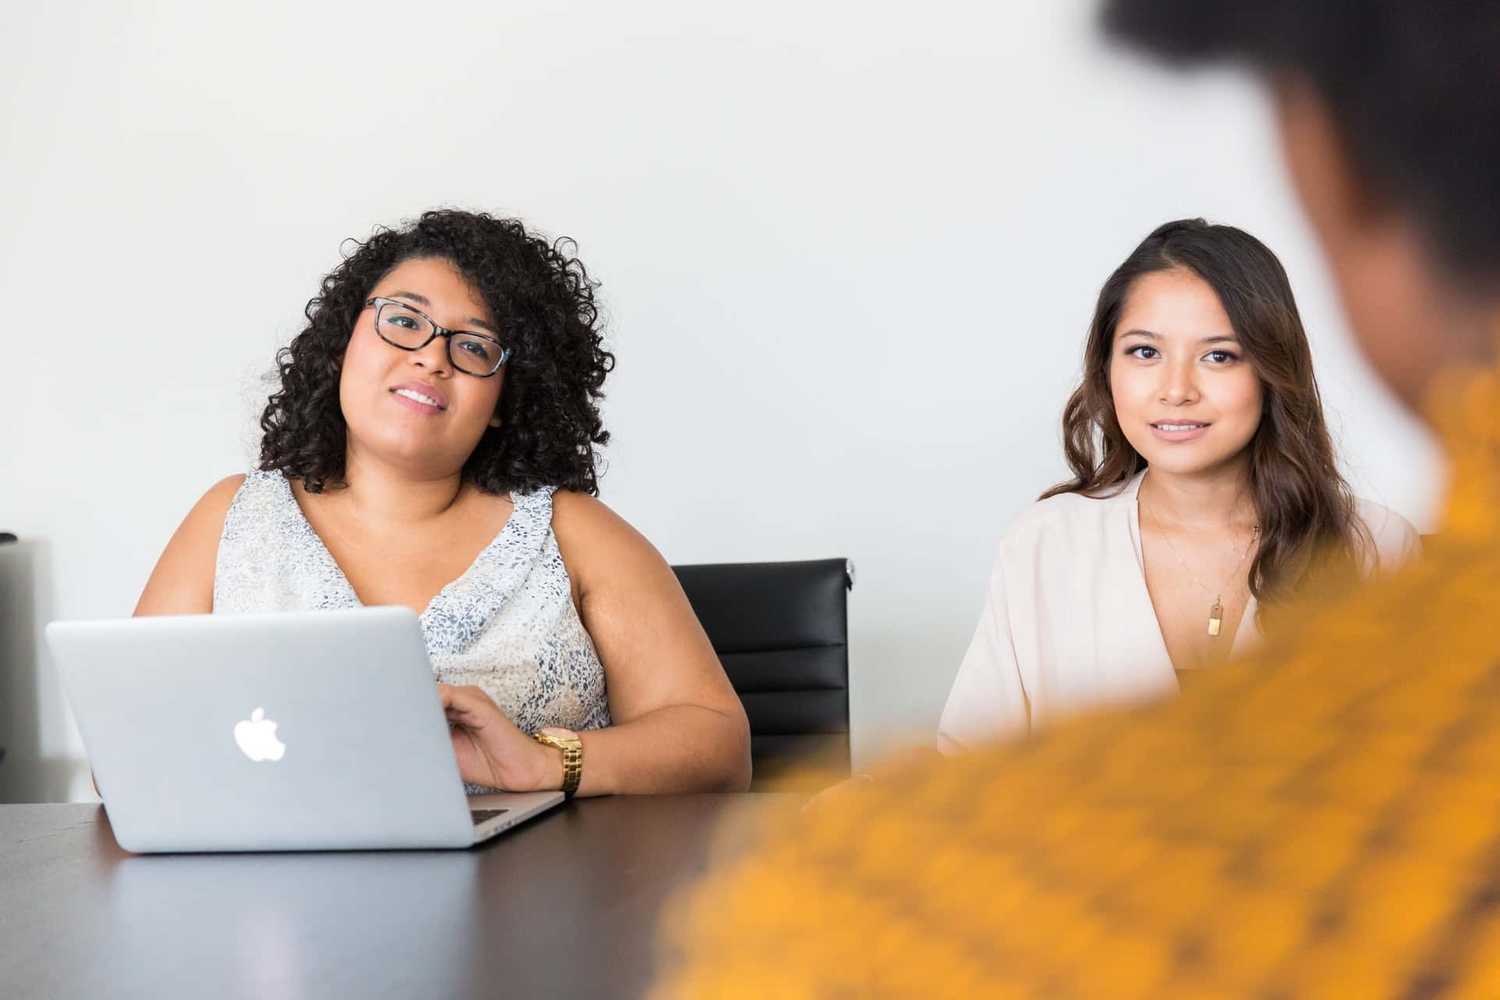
<point x="1205" y="493"/>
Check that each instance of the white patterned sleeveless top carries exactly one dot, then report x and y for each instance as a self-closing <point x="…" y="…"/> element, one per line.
<point x="507" y="624"/>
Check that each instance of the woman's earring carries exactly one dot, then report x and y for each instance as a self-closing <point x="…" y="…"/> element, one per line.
<point x="494" y="421"/>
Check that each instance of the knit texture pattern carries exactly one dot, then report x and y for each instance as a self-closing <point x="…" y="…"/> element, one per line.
<point x="1320" y="821"/>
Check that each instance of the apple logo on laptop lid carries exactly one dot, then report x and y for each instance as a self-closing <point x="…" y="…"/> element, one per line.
<point x="256" y="737"/>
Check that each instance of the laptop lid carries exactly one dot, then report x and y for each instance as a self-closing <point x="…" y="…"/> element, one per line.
<point x="289" y="731"/>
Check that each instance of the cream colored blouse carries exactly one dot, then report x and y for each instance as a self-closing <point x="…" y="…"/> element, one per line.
<point x="1068" y="624"/>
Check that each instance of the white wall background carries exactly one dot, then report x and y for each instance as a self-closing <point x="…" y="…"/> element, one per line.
<point x="848" y="253"/>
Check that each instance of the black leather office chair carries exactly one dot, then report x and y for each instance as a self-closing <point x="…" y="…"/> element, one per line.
<point x="781" y="631"/>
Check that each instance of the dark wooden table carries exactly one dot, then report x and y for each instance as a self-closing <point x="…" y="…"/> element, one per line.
<point x="566" y="906"/>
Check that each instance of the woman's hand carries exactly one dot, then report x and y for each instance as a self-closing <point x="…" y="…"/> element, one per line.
<point x="490" y="750"/>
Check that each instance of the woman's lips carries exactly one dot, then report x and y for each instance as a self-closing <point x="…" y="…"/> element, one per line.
<point x="1179" y="431"/>
<point x="416" y="399"/>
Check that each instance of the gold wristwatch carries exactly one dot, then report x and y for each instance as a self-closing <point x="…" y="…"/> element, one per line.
<point x="572" y="752"/>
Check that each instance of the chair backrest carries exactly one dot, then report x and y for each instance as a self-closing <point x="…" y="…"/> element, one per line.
<point x="781" y="631"/>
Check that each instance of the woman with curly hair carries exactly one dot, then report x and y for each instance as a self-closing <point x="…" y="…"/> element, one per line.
<point x="1205" y="492"/>
<point x="432" y="444"/>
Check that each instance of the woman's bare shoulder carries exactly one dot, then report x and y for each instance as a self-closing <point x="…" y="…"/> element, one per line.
<point x="182" y="582"/>
<point x="580" y="517"/>
<point x="222" y="493"/>
<point x="206" y="519"/>
<point x="592" y="537"/>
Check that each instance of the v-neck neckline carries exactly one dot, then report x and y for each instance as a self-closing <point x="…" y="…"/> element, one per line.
<point x="444" y="593"/>
<point x="1131" y="497"/>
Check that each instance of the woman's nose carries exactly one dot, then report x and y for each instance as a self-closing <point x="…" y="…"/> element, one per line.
<point x="433" y="357"/>
<point x="1178" y="385"/>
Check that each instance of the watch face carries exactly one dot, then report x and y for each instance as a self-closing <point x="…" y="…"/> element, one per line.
<point x="560" y="733"/>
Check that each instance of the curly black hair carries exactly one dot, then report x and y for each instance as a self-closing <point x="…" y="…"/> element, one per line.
<point x="543" y="300"/>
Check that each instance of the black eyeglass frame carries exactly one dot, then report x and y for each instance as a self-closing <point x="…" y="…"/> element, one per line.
<point x="380" y="301"/>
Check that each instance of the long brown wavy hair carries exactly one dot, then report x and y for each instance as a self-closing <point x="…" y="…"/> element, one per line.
<point x="1306" y="511"/>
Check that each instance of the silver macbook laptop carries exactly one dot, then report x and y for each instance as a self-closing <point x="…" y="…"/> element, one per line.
<point x="280" y="732"/>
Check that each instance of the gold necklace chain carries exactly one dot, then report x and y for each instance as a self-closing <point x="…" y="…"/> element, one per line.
<point x="1215" y="613"/>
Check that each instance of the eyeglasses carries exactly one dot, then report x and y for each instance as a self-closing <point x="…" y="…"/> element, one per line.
<point x="411" y="330"/>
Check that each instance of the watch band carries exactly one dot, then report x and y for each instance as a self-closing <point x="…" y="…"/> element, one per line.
<point x="572" y="754"/>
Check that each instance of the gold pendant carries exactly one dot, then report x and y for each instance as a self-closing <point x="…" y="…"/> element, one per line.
<point x="1216" y="618"/>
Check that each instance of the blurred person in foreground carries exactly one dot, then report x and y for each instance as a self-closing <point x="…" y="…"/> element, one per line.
<point x="1322" y="820"/>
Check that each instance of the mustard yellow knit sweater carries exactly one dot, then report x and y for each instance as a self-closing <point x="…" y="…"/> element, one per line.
<point x="1323" y="821"/>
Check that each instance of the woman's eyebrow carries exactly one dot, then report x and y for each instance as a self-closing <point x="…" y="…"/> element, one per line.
<point x="1140" y="333"/>
<point x="1219" y="338"/>
<point x="423" y="300"/>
